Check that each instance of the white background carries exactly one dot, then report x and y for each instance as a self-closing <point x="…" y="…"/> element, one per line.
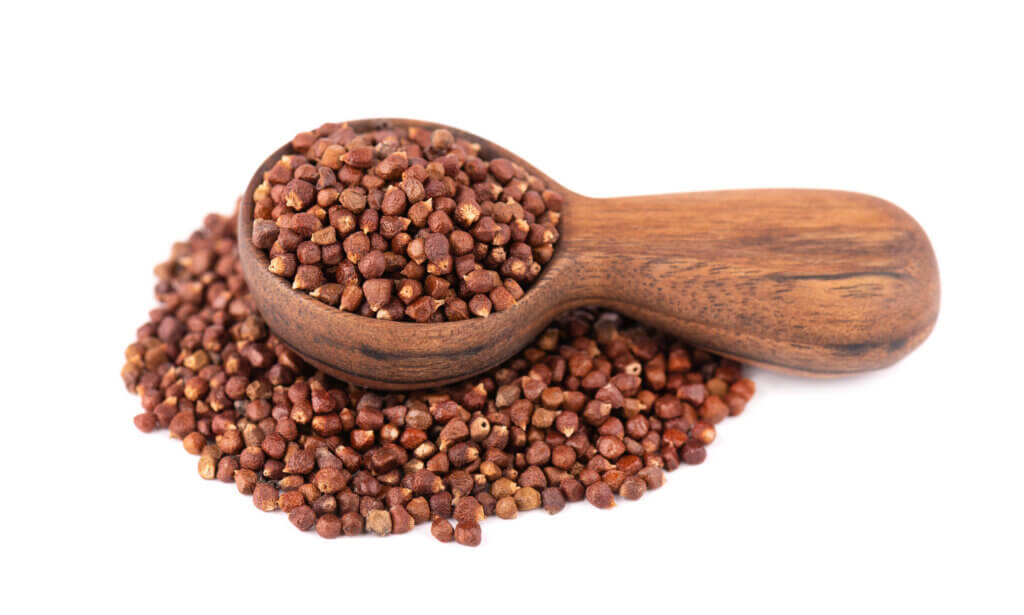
<point x="898" y="491"/>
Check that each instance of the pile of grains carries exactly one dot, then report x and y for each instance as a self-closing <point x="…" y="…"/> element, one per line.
<point x="595" y="407"/>
<point x="404" y="224"/>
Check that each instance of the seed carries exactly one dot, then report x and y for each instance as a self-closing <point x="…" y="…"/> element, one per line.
<point x="454" y="431"/>
<point x="207" y="467"/>
<point x="467" y="213"/>
<point x="351" y="298"/>
<point x="506" y="508"/>
<point x="600" y="495"/>
<point x="226" y="468"/>
<point x="352" y="523"/>
<point x="543" y="429"/>
<point x="456" y="309"/>
<point x="441" y="140"/>
<point x="563" y="457"/>
<point x="502" y="169"/>
<point x="299" y="193"/>
<point x="330" y="480"/>
<point x="717" y="386"/>
<point x="633" y="488"/>
<point x="480" y="305"/>
<point x="482" y="280"/>
<point x="273" y="469"/>
<point x="302" y="518"/>
<point x="437" y="248"/>
<point x="265" y="497"/>
<point x="325" y="504"/>
<point x="613" y="478"/>
<point x="308" y="277"/>
<point x="674" y="437"/>
<point x="479" y="428"/>
<point x="264" y="233"/>
<point x="328" y="526"/>
<point x="423" y="308"/>
<point x="372" y="265"/>
<point x="230" y="442"/>
<point x="468" y="509"/>
<point x="743" y="387"/>
<point x="442" y="530"/>
<point x="353" y="199"/>
<point x="653" y="476"/>
<point x="425" y="482"/>
<point x="356" y="246"/>
<point x="378" y="183"/>
<point x="736" y="402"/>
<point x="419" y="509"/>
<point x="714" y="410"/>
<point x="441" y="505"/>
<point x="324" y="237"/>
<point x="468" y="533"/>
<point x="146" y="422"/>
<point x="567" y="423"/>
<point x="703" y="432"/>
<point x="379" y="522"/>
<point x="300" y="462"/>
<point x="527" y="498"/>
<point x="610" y="395"/>
<point x="504" y="487"/>
<point x="532" y="476"/>
<point x="377" y="293"/>
<point x="553" y="500"/>
<point x="194" y="442"/>
<point x="694" y="452"/>
<point x="409" y="290"/>
<point x="401" y="520"/>
<point x="611" y="447"/>
<point x="245" y="481"/>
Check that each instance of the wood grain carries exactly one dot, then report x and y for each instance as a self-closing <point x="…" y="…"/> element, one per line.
<point x="815" y="282"/>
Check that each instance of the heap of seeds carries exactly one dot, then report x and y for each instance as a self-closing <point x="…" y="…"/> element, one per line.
<point x="595" y="406"/>
<point x="404" y="224"/>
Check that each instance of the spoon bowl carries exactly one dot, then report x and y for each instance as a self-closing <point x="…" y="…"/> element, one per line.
<point x="815" y="282"/>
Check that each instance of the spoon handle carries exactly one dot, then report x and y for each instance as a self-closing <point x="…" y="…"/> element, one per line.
<point x="809" y="281"/>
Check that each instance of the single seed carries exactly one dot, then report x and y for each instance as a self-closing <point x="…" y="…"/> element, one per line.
<point x="401" y="520"/>
<point x="352" y="523"/>
<point x="694" y="452"/>
<point x="328" y="526"/>
<point x="379" y="522"/>
<point x="600" y="495"/>
<point x="442" y="530"/>
<point x="633" y="488"/>
<point x="265" y="497"/>
<point x="302" y="518"/>
<point x="553" y="500"/>
<point x="527" y="498"/>
<point x="207" y="467"/>
<point x="193" y="443"/>
<point x="468" y="533"/>
<point x="245" y="481"/>
<point x="506" y="508"/>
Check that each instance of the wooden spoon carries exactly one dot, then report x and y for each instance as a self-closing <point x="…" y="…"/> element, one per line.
<point x="814" y="282"/>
